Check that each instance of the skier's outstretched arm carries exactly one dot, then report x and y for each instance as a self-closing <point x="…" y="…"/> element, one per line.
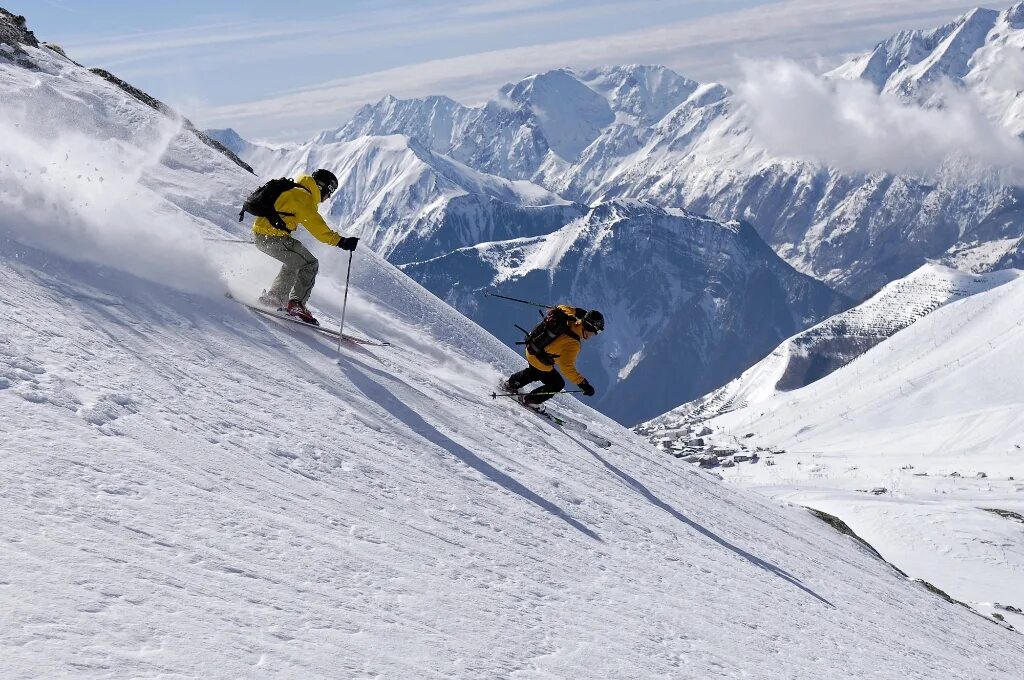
<point x="315" y="224"/>
<point x="567" y="362"/>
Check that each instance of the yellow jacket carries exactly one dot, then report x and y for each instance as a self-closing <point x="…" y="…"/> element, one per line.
<point x="302" y="205"/>
<point x="566" y="347"/>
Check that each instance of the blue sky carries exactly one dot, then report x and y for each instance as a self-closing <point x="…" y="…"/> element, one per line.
<point x="284" y="70"/>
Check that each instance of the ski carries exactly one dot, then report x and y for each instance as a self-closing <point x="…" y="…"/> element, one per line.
<point x="330" y="332"/>
<point x="560" y="420"/>
<point x="570" y="424"/>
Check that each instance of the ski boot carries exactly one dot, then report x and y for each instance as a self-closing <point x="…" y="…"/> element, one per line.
<point x="524" y="399"/>
<point x="298" y="310"/>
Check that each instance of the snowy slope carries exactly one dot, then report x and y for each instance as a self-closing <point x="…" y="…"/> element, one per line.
<point x="195" y="491"/>
<point x="812" y="354"/>
<point x="689" y="301"/>
<point x="949" y="378"/>
<point x="931" y="418"/>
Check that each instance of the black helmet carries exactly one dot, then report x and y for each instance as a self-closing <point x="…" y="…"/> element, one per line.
<point x="327" y="182"/>
<point x="593" y="321"/>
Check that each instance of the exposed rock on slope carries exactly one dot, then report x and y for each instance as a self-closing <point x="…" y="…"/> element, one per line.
<point x="155" y="103"/>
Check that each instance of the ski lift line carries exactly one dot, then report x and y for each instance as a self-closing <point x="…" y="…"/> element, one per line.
<point x="976" y="353"/>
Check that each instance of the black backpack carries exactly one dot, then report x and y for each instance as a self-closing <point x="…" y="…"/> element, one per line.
<point x="261" y="202"/>
<point x="554" y="325"/>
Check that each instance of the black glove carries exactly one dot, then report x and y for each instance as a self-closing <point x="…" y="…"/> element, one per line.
<point x="348" y="243"/>
<point x="587" y="389"/>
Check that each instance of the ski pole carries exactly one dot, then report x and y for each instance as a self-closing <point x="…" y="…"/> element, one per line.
<point x="495" y="395"/>
<point x="227" y="240"/>
<point x="525" y="302"/>
<point x="344" y="304"/>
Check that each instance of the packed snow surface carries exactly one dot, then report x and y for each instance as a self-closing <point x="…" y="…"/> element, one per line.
<point x="192" y="490"/>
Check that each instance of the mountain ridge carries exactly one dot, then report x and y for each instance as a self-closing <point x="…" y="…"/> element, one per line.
<point x="682" y="144"/>
<point x="812" y="354"/>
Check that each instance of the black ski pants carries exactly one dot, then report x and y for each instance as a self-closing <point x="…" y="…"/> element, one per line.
<point x="553" y="382"/>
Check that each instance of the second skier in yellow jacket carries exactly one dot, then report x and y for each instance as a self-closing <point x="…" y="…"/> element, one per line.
<point x="556" y="342"/>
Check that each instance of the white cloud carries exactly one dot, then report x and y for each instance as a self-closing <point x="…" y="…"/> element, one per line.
<point x="485" y="7"/>
<point x="847" y="125"/>
<point x="1008" y="72"/>
<point x="136" y="46"/>
<point x="346" y="34"/>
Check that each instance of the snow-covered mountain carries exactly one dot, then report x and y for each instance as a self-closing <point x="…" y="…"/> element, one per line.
<point x="639" y="95"/>
<point x="644" y="132"/>
<point x="543" y="121"/>
<point x="689" y="301"/>
<point x="818" y="351"/>
<point x="980" y="50"/>
<point x="195" y="491"/>
<point x="260" y="155"/>
<point x="410" y="203"/>
<point x="947" y="384"/>
<point x="930" y="420"/>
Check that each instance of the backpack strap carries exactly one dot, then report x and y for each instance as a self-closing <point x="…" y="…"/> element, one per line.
<point x="279" y="223"/>
<point x="541" y="353"/>
<point x="276" y="220"/>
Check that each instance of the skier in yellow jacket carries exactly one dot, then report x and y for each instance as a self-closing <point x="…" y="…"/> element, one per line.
<point x="556" y="342"/>
<point x="273" y="236"/>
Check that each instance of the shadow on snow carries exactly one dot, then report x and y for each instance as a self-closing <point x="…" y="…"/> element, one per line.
<point x="356" y="371"/>
<point x="657" y="502"/>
